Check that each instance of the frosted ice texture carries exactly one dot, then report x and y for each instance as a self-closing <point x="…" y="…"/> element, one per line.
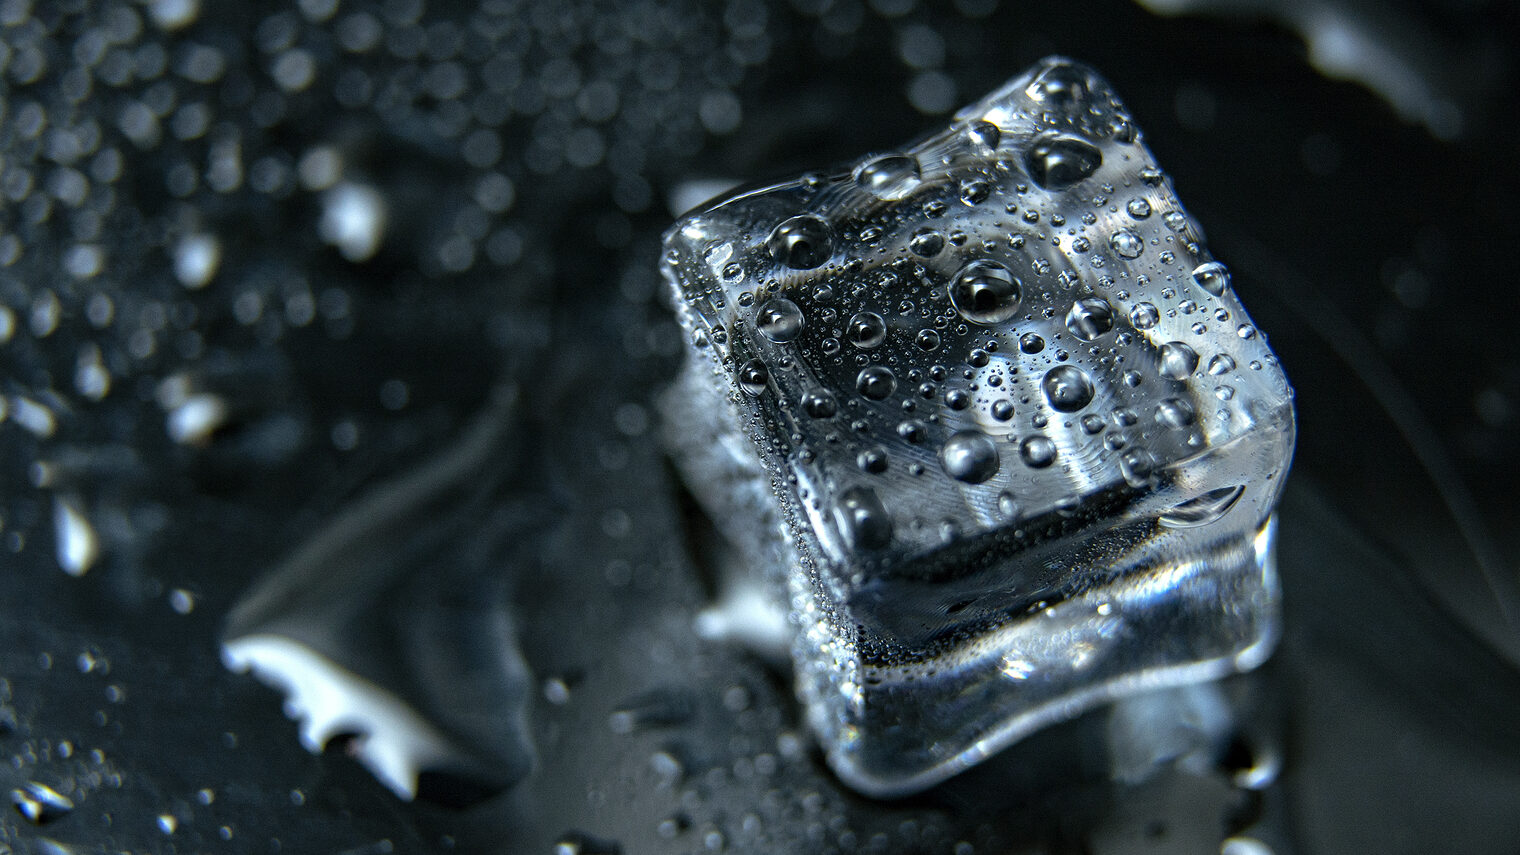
<point x="990" y="414"/>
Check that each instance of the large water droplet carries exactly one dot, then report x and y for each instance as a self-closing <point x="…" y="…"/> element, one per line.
<point x="926" y="242"/>
<point x="1203" y="509"/>
<point x="1212" y="277"/>
<point x="876" y="382"/>
<point x="862" y="519"/>
<point x="984" y="136"/>
<point x="985" y="292"/>
<point x="1127" y="244"/>
<point x="1037" y="451"/>
<point x="1090" y="318"/>
<point x="779" y="320"/>
<point x="819" y="404"/>
<point x="1056" y="163"/>
<point x="1062" y="87"/>
<point x="801" y="243"/>
<point x="1068" y="388"/>
<point x="1178" y="361"/>
<point x="969" y="456"/>
<point x="866" y="330"/>
<point x="890" y="177"/>
<point x="753" y="375"/>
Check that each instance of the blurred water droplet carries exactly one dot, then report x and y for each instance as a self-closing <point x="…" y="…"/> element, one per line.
<point x="862" y="519"/>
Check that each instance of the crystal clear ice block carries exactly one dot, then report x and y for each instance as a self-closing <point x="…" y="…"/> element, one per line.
<point x="989" y="412"/>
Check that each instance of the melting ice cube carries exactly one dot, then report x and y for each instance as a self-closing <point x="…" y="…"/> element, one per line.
<point x="989" y="413"/>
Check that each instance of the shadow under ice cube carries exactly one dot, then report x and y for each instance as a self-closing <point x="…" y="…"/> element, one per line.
<point x="991" y="415"/>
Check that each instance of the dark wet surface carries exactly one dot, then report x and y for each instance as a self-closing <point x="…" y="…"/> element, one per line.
<point x="1374" y="256"/>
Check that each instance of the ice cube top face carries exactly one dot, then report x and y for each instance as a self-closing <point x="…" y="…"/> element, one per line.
<point x="1024" y="437"/>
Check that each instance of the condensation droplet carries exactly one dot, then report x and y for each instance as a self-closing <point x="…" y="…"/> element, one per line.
<point x="969" y="456"/>
<point x="1037" y="452"/>
<point x="1178" y="361"/>
<point x="890" y="177"/>
<point x="1068" y="388"/>
<point x="801" y="243"/>
<point x="1212" y="277"/>
<point x="1087" y="319"/>
<point x="985" y="292"/>
<point x="779" y="320"/>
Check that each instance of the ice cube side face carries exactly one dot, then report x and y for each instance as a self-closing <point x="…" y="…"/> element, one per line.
<point x="1023" y="439"/>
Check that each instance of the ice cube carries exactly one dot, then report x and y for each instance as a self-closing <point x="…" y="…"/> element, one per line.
<point x="989" y="412"/>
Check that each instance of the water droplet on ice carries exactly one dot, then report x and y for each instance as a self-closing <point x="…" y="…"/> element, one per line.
<point x="985" y="292"/>
<point x="969" y="456"/>
<point x="1178" y="361"/>
<point x="862" y="519"/>
<point x="866" y="330"/>
<point x="801" y="243"/>
<point x="1057" y="163"/>
<point x="1127" y="243"/>
<point x="1087" y="319"/>
<point x="779" y="320"/>
<point x="890" y="177"/>
<point x="1212" y="277"/>
<point x="876" y="382"/>
<point x="753" y="376"/>
<point x="1068" y="388"/>
<point x="1037" y="452"/>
